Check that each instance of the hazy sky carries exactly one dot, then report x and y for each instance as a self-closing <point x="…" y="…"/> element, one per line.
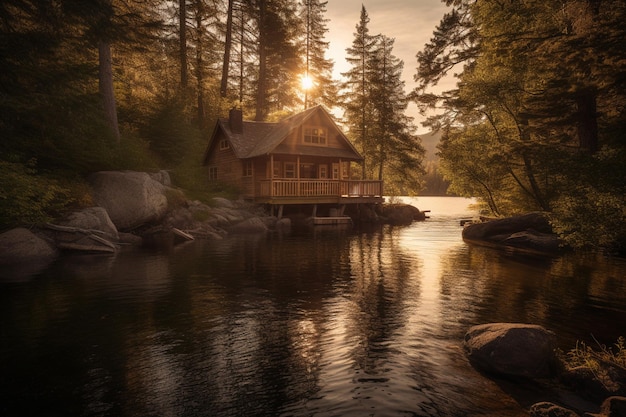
<point x="409" y="22"/>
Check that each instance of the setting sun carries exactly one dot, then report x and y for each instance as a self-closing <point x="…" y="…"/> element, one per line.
<point x="307" y="82"/>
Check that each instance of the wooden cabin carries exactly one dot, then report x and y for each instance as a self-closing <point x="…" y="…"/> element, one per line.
<point x="303" y="159"/>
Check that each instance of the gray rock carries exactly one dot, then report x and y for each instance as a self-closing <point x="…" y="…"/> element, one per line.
<point x="542" y="242"/>
<point x="251" y="225"/>
<point x="223" y="203"/>
<point x="507" y="226"/>
<point x="23" y="246"/>
<point x="531" y="232"/>
<point x="163" y="177"/>
<point x="399" y="214"/>
<point x="131" y="198"/>
<point x="512" y="349"/>
<point x="130" y="239"/>
<point x="92" y="218"/>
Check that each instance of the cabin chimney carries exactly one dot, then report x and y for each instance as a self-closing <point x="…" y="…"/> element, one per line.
<point x="235" y="119"/>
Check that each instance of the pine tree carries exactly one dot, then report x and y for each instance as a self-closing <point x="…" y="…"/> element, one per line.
<point x="204" y="45"/>
<point x="278" y="57"/>
<point x="318" y="69"/>
<point x="375" y="103"/>
<point x="398" y="151"/>
<point x="357" y="94"/>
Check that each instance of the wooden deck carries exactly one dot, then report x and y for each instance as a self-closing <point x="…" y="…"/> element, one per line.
<point x="318" y="191"/>
<point x="330" y="221"/>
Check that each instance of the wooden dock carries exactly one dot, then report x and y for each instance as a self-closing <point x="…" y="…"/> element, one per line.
<point x="334" y="220"/>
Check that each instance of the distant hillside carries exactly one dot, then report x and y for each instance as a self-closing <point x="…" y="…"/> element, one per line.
<point x="434" y="184"/>
<point x="430" y="141"/>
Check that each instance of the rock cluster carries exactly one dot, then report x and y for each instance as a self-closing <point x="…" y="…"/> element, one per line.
<point x="139" y="208"/>
<point x="133" y="208"/>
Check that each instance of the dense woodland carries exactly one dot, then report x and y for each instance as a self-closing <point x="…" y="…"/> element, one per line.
<point x="536" y="122"/>
<point x="120" y="84"/>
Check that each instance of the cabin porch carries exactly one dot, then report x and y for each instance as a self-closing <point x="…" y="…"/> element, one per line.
<point x="318" y="191"/>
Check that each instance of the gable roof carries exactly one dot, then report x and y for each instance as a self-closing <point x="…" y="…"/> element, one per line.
<point x="264" y="138"/>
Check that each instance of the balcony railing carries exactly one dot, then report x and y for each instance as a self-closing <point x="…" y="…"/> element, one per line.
<point x="319" y="188"/>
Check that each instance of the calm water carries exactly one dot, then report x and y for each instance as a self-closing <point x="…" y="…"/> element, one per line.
<point x="320" y="323"/>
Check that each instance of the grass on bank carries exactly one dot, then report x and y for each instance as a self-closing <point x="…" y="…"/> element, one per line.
<point x="604" y="362"/>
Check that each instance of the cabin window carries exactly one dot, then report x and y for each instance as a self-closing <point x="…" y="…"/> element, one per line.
<point x="277" y="169"/>
<point x="224" y="145"/>
<point x="314" y="135"/>
<point x="247" y="169"/>
<point x="290" y="170"/>
<point x="323" y="171"/>
<point x="345" y="170"/>
<point x="212" y="173"/>
<point x="335" y="171"/>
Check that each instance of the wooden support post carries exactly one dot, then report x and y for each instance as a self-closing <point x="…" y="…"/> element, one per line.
<point x="342" y="209"/>
<point x="314" y="210"/>
<point x="280" y="212"/>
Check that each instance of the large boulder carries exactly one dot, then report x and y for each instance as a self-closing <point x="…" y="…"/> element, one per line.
<point x="131" y="198"/>
<point x="23" y="246"/>
<point x="89" y="230"/>
<point x="95" y="219"/>
<point x="401" y="214"/>
<point x="531" y="231"/>
<point x="512" y="349"/>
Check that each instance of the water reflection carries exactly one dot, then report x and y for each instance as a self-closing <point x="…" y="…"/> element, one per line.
<point x="326" y="322"/>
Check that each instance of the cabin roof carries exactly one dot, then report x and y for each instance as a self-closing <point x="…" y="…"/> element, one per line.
<point x="264" y="138"/>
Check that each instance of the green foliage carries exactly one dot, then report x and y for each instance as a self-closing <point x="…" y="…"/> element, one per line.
<point x="375" y="103"/>
<point x="434" y="183"/>
<point x="592" y="214"/>
<point x="169" y="132"/>
<point x="27" y="198"/>
<point x="536" y="120"/>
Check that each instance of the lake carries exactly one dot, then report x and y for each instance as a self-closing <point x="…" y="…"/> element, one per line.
<point x="319" y="322"/>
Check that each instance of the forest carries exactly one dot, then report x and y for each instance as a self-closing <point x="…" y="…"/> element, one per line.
<point x="537" y="119"/>
<point x="117" y="84"/>
<point x="535" y="123"/>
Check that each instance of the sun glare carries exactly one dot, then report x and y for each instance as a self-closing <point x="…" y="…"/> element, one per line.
<point x="307" y="82"/>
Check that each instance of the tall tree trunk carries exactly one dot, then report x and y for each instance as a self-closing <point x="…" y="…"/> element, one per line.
<point x="227" y="47"/>
<point x="587" y="121"/>
<point x="200" y="72"/>
<point x="182" y="29"/>
<point x="105" y="84"/>
<point x="242" y="31"/>
<point x="261" y="96"/>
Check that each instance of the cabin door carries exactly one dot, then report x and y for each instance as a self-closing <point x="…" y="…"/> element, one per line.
<point x="335" y="171"/>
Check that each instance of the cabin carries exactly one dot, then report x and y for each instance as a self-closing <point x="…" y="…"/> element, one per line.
<point x="304" y="159"/>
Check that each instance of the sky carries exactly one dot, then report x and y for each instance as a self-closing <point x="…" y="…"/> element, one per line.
<point x="410" y="22"/>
